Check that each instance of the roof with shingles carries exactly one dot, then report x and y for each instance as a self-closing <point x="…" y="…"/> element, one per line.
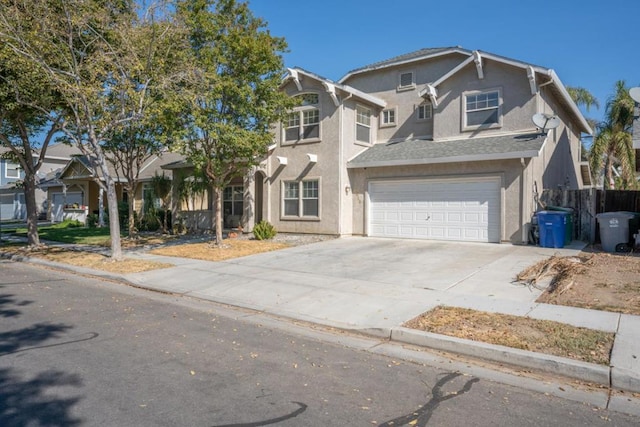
<point x="64" y="151"/>
<point x="420" y="151"/>
<point x="426" y="52"/>
<point x="152" y="166"/>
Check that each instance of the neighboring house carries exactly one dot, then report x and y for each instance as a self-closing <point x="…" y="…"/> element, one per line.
<point x="435" y="144"/>
<point x="73" y="192"/>
<point x="12" y="200"/>
<point x="11" y="204"/>
<point x="193" y="202"/>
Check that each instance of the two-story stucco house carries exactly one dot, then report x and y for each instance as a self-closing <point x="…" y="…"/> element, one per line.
<point x="434" y="144"/>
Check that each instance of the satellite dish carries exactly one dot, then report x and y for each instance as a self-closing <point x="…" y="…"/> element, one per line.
<point x="546" y="121"/>
<point x="635" y="94"/>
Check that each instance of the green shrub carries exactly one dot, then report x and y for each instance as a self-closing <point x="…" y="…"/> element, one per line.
<point x="92" y="220"/>
<point x="264" y="230"/>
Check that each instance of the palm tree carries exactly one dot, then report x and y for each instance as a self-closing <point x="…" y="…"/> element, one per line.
<point x="612" y="146"/>
<point x="583" y="97"/>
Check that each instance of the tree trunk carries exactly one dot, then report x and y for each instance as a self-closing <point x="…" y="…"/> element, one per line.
<point x="218" y="193"/>
<point x="131" y="222"/>
<point x="32" y="210"/>
<point x="114" y="221"/>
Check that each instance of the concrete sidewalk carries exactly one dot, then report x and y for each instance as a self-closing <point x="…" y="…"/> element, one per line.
<point x="346" y="283"/>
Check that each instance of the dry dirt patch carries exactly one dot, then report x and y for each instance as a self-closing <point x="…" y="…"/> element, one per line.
<point x="599" y="281"/>
<point x="524" y="333"/>
<point x="87" y="259"/>
<point x="231" y="248"/>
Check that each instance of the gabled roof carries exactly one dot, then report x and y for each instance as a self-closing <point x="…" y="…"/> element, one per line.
<point x="147" y="170"/>
<point x="477" y="57"/>
<point x="417" y="55"/>
<point x="420" y="151"/>
<point x="295" y="74"/>
<point x="62" y="151"/>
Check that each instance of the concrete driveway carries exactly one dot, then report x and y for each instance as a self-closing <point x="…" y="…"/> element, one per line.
<point x="358" y="282"/>
<point x="474" y="268"/>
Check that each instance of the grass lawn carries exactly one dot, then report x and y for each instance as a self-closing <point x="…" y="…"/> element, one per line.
<point x="69" y="232"/>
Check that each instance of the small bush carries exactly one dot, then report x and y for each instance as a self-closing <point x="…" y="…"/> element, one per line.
<point x="92" y="220"/>
<point x="264" y="230"/>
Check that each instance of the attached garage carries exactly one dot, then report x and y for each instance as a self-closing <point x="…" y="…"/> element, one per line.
<point x="7" y="206"/>
<point x="462" y="209"/>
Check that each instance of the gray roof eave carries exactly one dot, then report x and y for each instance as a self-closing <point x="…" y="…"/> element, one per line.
<point x="451" y="159"/>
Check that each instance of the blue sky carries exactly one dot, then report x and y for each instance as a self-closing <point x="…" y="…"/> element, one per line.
<point x="589" y="43"/>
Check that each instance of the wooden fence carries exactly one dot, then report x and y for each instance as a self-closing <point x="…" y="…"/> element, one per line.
<point x="587" y="204"/>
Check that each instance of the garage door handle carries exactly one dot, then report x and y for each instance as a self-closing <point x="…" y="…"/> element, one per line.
<point x="428" y="218"/>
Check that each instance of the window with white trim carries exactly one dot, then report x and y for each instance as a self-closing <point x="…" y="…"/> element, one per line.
<point x="388" y="117"/>
<point x="424" y="111"/>
<point x="301" y="198"/>
<point x="232" y="200"/>
<point x="482" y="109"/>
<point x="304" y="122"/>
<point x="11" y="170"/>
<point x="363" y="124"/>
<point x="405" y="80"/>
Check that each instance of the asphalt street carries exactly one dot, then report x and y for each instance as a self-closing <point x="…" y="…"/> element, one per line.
<point x="79" y="351"/>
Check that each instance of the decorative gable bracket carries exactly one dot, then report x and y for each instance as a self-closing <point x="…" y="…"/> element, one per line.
<point x="331" y="90"/>
<point x="478" y="60"/>
<point x="531" y="75"/>
<point x="431" y="92"/>
<point x="296" y="78"/>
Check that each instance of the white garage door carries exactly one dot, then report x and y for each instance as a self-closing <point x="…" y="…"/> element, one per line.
<point x="7" y="206"/>
<point x="437" y="209"/>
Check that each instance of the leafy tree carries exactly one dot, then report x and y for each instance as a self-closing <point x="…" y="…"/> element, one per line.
<point x="612" y="145"/>
<point x="130" y="146"/>
<point x="231" y="91"/>
<point x="21" y="124"/>
<point x="94" y="53"/>
<point x="128" y="150"/>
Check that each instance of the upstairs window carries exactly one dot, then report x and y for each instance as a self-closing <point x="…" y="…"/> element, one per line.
<point x="12" y="171"/>
<point x="405" y="81"/>
<point x="424" y="112"/>
<point x="388" y="117"/>
<point x="482" y="109"/>
<point x="304" y="122"/>
<point x="363" y="124"/>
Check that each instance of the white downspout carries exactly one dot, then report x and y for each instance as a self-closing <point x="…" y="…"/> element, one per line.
<point x="524" y="201"/>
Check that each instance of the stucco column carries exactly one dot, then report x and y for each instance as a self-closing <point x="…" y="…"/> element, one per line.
<point x="100" y="207"/>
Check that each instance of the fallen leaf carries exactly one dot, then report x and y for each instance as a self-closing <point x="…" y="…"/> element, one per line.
<point x="193" y="372"/>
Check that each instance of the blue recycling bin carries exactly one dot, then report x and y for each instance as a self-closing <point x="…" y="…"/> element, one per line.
<point x="552" y="227"/>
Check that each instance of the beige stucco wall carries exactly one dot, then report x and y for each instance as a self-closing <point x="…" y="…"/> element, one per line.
<point x="299" y="167"/>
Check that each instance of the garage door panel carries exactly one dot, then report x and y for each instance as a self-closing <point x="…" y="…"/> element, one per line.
<point x="436" y="209"/>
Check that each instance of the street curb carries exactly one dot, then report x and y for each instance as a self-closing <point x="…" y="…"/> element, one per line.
<point x="543" y="362"/>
